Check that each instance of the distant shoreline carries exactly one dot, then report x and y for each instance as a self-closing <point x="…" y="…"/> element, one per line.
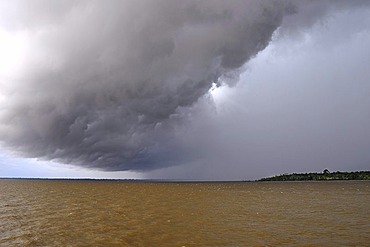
<point x="326" y="175"/>
<point x="313" y="176"/>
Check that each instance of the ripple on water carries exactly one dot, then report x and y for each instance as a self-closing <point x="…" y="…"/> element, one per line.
<point x="90" y="213"/>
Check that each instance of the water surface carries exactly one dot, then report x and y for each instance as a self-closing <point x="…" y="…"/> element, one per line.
<point x="109" y="213"/>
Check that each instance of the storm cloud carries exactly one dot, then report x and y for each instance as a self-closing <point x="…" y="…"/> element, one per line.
<point x="113" y="85"/>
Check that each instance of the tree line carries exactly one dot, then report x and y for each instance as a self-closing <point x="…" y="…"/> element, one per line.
<point x="325" y="175"/>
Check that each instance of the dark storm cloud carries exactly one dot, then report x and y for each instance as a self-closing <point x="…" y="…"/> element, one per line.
<point x="106" y="84"/>
<point x="104" y="80"/>
<point x="303" y="105"/>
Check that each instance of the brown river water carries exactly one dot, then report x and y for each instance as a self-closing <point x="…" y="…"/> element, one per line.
<point x="114" y="213"/>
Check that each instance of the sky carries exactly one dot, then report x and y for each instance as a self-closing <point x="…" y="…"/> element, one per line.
<point x="203" y="90"/>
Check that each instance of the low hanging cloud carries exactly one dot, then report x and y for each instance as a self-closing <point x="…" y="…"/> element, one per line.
<point x="107" y="85"/>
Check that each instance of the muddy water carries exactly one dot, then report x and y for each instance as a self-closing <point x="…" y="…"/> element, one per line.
<point x="109" y="213"/>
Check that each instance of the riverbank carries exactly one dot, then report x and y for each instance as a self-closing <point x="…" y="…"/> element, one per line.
<point x="325" y="175"/>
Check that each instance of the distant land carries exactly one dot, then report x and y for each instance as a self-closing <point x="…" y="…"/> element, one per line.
<point x="313" y="176"/>
<point x="325" y="175"/>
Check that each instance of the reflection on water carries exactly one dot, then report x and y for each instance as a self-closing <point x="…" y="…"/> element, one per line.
<point x="108" y="213"/>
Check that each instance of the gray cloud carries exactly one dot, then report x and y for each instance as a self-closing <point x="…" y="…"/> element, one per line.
<point x="112" y="85"/>
<point x="103" y="78"/>
<point x="302" y="105"/>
